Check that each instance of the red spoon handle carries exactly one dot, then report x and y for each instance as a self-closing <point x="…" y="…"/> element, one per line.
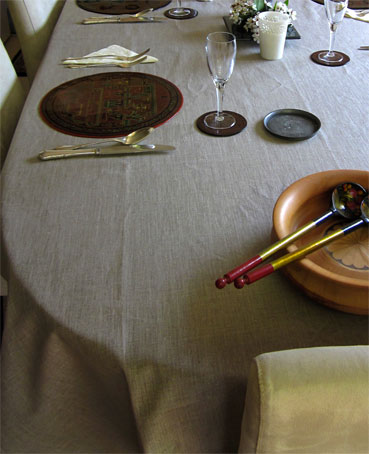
<point x="244" y="268"/>
<point x="258" y="274"/>
<point x="237" y="272"/>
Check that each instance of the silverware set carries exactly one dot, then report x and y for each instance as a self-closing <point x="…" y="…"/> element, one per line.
<point x="117" y="60"/>
<point x="129" y="59"/>
<point x="125" y="145"/>
<point x="139" y="17"/>
<point x="96" y="64"/>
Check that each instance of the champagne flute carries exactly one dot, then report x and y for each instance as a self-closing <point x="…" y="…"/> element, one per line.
<point x="221" y="50"/>
<point x="179" y="11"/>
<point x="335" y="10"/>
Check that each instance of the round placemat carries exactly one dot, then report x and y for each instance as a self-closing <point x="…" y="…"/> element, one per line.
<point x="120" y="6"/>
<point x="353" y="4"/>
<point x="110" y="104"/>
<point x="193" y="13"/>
<point x="240" y="124"/>
<point x="314" y="57"/>
<point x="292" y="124"/>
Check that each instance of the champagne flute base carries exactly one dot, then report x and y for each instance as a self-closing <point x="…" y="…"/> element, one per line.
<point x="223" y="121"/>
<point x="330" y="57"/>
<point x="180" y="13"/>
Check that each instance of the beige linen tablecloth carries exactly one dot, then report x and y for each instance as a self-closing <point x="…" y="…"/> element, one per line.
<point x="116" y="339"/>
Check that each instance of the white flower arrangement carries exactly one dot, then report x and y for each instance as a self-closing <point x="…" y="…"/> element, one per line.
<point x="245" y="13"/>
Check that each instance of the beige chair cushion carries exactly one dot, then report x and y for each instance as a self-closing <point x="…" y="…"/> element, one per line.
<point x="34" y="21"/>
<point x="12" y="96"/>
<point x="313" y="400"/>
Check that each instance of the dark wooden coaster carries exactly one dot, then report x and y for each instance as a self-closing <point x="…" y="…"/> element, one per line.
<point x="120" y="6"/>
<point x="193" y="13"/>
<point x="240" y="124"/>
<point x="315" y="59"/>
<point x="353" y="4"/>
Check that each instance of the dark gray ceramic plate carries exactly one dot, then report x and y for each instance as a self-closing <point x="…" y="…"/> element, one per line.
<point x="292" y="124"/>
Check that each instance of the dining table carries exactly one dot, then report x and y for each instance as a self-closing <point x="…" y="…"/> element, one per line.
<point x="115" y="336"/>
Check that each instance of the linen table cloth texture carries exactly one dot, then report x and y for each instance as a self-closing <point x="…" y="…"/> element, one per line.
<point x="116" y="339"/>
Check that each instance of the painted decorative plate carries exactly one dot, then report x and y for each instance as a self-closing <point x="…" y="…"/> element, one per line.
<point x="110" y="104"/>
<point x="120" y="6"/>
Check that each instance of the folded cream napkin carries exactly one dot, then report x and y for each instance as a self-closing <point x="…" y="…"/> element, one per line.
<point x="357" y="14"/>
<point x="114" y="49"/>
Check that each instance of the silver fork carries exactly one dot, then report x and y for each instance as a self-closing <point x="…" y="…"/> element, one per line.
<point x="117" y="57"/>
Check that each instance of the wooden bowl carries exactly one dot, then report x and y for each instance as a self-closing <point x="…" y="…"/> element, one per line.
<point x="338" y="274"/>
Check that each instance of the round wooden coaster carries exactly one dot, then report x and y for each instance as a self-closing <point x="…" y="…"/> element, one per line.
<point x="193" y="13"/>
<point x="240" y="124"/>
<point x="353" y="4"/>
<point x="314" y="57"/>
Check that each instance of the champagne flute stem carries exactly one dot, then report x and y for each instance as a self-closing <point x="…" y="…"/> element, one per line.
<point x="220" y="95"/>
<point x="332" y="37"/>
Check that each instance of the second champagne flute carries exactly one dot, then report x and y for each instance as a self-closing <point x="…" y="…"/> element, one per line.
<point x="335" y="10"/>
<point x="221" y="50"/>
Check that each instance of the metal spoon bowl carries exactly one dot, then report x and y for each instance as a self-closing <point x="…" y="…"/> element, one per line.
<point x="143" y="12"/>
<point x="131" y="139"/>
<point x="346" y="200"/>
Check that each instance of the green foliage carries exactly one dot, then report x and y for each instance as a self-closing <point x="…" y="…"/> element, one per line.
<point x="260" y="5"/>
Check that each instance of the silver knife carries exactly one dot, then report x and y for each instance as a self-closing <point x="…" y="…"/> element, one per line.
<point x="106" y="151"/>
<point x="121" y="20"/>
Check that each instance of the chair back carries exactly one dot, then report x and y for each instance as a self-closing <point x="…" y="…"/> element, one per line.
<point x="34" y="21"/>
<point x="12" y="96"/>
<point x="309" y="400"/>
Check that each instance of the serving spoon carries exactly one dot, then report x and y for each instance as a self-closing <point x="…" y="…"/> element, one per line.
<point x="131" y="139"/>
<point x="346" y="199"/>
<point x="265" y="270"/>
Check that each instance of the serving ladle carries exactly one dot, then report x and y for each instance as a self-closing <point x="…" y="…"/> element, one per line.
<point x="346" y="200"/>
<point x="130" y="139"/>
<point x="265" y="270"/>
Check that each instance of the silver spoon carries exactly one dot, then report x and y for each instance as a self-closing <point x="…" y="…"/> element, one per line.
<point x="142" y="13"/>
<point x="131" y="139"/>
